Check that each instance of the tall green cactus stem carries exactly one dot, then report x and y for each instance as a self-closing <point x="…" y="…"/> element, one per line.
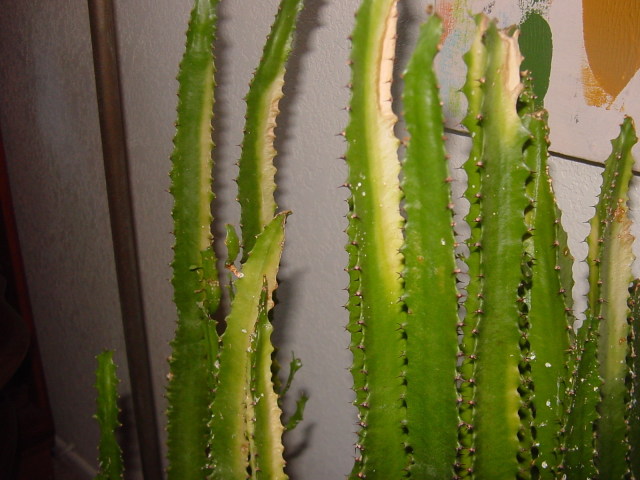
<point x="548" y="317"/>
<point x="598" y="443"/>
<point x="633" y="361"/>
<point x="195" y="280"/>
<point x="475" y="59"/>
<point x="375" y="238"/>
<point x="503" y="229"/>
<point x="110" y="455"/>
<point x="230" y="442"/>
<point x="430" y="270"/>
<point x="614" y="263"/>
<point x="266" y="437"/>
<point x="256" y="179"/>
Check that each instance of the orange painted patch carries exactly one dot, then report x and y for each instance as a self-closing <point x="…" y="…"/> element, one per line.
<point x="446" y="11"/>
<point x="612" y="42"/>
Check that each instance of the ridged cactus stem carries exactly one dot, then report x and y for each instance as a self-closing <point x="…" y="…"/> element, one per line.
<point x="548" y="317"/>
<point x="110" y="454"/>
<point x="375" y="238"/>
<point x="430" y="270"/>
<point x="475" y="59"/>
<point x="268" y="461"/>
<point x="230" y="443"/>
<point x="597" y="442"/>
<point x="504" y="202"/>
<point x="633" y="380"/>
<point x="256" y="178"/>
<point x="195" y="280"/>
<point x="615" y="275"/>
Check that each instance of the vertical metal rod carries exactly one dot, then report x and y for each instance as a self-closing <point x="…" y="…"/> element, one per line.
<point x="103" y="39"/>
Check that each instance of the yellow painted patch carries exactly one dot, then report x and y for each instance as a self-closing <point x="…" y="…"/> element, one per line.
<point x="593" y="93"/>
<point x="611" y="30"/>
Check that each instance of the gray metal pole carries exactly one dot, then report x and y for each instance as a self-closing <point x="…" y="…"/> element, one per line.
<point x="105" y="62"/>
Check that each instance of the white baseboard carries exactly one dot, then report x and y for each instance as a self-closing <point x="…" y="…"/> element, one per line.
<point x="66" y="453"/>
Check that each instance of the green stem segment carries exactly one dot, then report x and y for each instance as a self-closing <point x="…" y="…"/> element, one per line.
<point x="199" y="370"/>
<point x="375" y="238"/>
<point x="504" y="175"/>
<point x="267" y="434"/>
<point x="430" y="270"/>
<point x="614" y="262"/>
<point x="110" y="455"/>
<point x="548" y="317"/>
<point x="230" y="442"/>
<point x="597" y="422"/>
<point x="633" y="362"/>
<point x="195" y="280"/>
<point x="256" y="178"/>
<point x="476" y="61"/>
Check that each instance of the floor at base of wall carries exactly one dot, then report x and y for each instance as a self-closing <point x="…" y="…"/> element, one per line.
<point x="68" y="465"/>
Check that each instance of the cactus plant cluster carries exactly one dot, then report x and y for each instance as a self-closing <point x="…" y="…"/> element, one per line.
<point x="466" y="362"/>
<point x="224" y="409"/>
<point x="224" y="415"/>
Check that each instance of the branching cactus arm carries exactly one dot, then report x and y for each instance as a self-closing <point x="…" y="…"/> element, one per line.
<point x="375" y="239"/>
<point x="430" y="270"/>
<point x="597" y="419"/>
<point x="110" y="454"/>
<point x="256" y="178"/>
<point x="195" y="281"/>
<point x="267" y="429"/>
<point x="615" y="275"/>
<point x="504" y="202"/>
<point x="230" y="442"/>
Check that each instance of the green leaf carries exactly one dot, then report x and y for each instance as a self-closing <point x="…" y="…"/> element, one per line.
<point x="294" y="365"/>
<point x="298" y="415"/>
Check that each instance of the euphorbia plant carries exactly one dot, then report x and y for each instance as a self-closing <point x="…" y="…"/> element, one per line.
<point x="480" y="377"/>
<point x="224" y="416"/>
<point x="466" y="363"/>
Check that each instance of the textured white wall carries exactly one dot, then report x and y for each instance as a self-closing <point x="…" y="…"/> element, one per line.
<point x="49" y="123"/>
<point x="50" y="129"/>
